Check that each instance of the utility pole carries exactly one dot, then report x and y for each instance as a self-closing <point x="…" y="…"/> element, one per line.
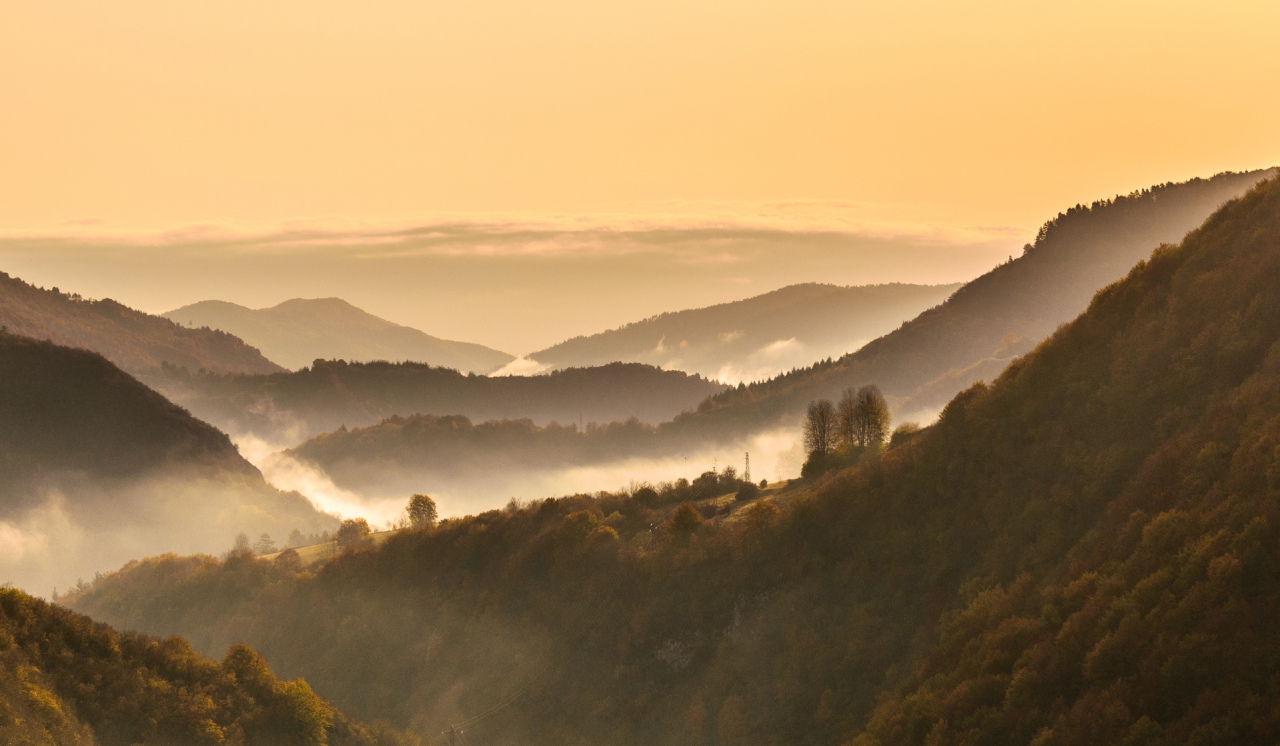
<point x="746" y="473"/>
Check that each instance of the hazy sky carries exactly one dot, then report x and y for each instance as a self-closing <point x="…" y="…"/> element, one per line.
<point x="947" y="120"/>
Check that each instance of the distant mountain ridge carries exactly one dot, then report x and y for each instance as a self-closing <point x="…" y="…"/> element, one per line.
<point x="291" y="407"/>
<point x="298" y="331"/>
<point x="990" y="321"/>
<point x="134" y="340"/>
<point x="758" y="337"/>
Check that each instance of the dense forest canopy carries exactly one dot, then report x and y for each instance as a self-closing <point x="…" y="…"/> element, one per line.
<point x="68" y="681"/>
<point x="758" y="337"/>
<point x="290" y="407"/>
<point x="1085" y="551"/>
<point x="298" y="331"/>
<point x="136" y="341"/>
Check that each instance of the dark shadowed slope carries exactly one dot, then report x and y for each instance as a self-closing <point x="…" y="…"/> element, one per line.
<point x="290" y="407"/>
<point x="756" y="338"/>
<point x="993" y="319"/>
<point x="96" y="468"/>
<point x="298" y="331"/>
<point x="66" y="681"/>
<point x="134" y="340"/>
<point x="1085" y="552"/>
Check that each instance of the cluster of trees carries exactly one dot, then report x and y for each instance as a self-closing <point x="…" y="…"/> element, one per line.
<point x="1087" y="551"/>
<point x="837" y="434"/>
<point x="67" y="680"/>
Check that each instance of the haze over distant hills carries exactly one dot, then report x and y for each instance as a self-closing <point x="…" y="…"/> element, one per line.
<point x="134" y="340"/>
<point x="756" y="338"/>
<point x="96" y="468"/>
<point x="973" y="336"/>
<point x="298" y="331"/>
<point x="980" y="329"/>
<point x="286" y="408"/>
<point x="1086" y="551"/>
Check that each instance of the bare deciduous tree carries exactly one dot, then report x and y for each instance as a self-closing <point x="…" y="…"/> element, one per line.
<point x="871" y="417"/>
<point x="819" y="427"/>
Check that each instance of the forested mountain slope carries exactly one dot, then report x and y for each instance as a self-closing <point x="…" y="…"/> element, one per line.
<point x="84" y="445"/>
<point x="66" y="681"/>
<point x="1087" y="551"/>
<point x="298" y="331"/>
<point x="290" y="407"/>
<point x="134" y="340"/>
<point x="993" y="319"/>
<point x="756" y="338"/>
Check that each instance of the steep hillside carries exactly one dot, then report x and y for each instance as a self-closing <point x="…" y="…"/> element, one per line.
<point x="290" y="407"/>
<point x="298" y="331"/>
<point x="134" y="340"/>
<point x="67" y="681"/>
<point x="82" y="444"/>
<point x="756" y="338"/>
<point x="1087" y="551"/>
<point x="990" y="321"/>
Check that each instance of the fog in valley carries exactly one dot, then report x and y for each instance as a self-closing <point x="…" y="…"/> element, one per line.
<point x="639" y="374"/>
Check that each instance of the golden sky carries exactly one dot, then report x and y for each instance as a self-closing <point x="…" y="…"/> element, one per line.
<point x="593" y="162"/>
<point x="151" y="114"/>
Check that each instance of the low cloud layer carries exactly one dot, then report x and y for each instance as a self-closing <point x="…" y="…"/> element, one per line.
<point x="516" y="283"/>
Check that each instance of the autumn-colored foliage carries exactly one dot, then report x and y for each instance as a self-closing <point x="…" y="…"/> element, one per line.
<point x="69" y="681"/>
<point x="1085" y="551"/>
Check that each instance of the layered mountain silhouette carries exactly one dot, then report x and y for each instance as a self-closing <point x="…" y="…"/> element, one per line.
<point x="133" y="340"/>
<point x="298" y="331"/>
<point x="1085" y="551"/>
<point x="970" y="337"/>
<point x="286" y="408"/>
<point x="990" y="321"/>
<point x="95" y="468"/>
<point x="756" y="338"/>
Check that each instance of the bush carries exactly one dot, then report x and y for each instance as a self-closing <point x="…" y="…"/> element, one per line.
<point x="747" y="491"/>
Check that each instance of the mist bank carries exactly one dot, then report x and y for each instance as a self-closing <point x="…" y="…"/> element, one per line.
<point x="511" y="282"/>
<point x="75" y="526"/>
<point x="756" y="338"/>
<point x="468" y="467"/>
<point x="287" y="408"/>
<point x="95" y="469"/>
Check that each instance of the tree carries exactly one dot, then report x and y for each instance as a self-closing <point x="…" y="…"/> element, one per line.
<point x="871" y="417"/>
<point x="352" y="533"/>
<point x="847" y="416"/>
<point x="296" y="539"/>
<point x="819" y="427"/>
<point x="264" y="545"/>
<point x="242" y="543"/>
<point x="685" y="520"/>
<point x="422" y="512"/>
